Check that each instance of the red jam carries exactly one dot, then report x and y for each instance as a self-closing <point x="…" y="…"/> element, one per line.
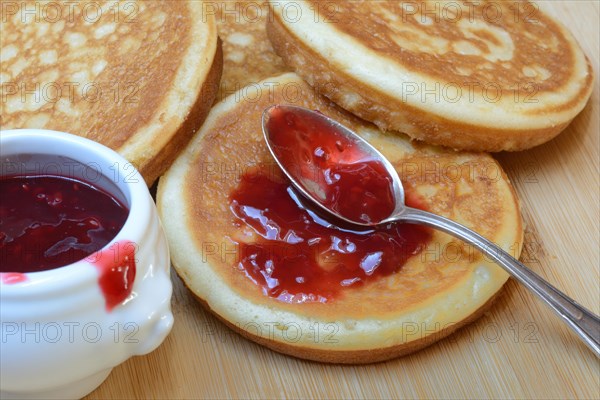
<point x="50" y="221"/>
<point x="11" y="278"/>
<point x="116" y="265"/>
<point x="330" y="167"/>
<point x="299" y="257"/>
<point x="47" y="222"/>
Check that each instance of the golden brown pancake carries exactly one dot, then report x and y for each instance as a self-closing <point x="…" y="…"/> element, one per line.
<point x="137" y="76"/>
<point x="248" y="56"/>
<point x="487" y="76"/>
<point x="436" y="291"/>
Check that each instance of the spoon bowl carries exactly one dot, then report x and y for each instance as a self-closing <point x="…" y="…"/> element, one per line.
<point x="317" y="176"/>
<point x="354" y="142"/>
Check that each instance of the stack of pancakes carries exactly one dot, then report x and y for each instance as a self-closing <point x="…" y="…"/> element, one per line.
<point x="430" y="84"/>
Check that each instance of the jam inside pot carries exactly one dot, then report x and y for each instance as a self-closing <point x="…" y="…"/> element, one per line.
<point x="49" y="221"/>
<point x="297" y="256"/>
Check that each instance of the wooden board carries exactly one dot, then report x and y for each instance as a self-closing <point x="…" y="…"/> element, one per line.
<point x="519" y="349"/>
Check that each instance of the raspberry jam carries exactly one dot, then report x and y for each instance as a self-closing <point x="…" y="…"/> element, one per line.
<point x="331" y="167"/>
<point x="296" y="256"/>
<point x="47" y="222"/>
<point x="116" y="267"/>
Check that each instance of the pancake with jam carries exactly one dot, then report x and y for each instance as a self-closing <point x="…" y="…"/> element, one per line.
<point x="272" y="269"/>
<point x="486" y="76"/>
<point x="136" y="76"/>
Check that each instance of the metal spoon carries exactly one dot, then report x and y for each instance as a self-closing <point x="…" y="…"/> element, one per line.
<point x="581" y="320"/>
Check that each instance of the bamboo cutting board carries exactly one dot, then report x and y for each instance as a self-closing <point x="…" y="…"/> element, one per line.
<point x="520" y="349"/>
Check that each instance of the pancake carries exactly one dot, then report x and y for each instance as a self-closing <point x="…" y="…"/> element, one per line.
<point x="248" y="56"/>
<point x="136" y="76"/>
<point x="485" y="76"/>
<point x="442" y="285"/>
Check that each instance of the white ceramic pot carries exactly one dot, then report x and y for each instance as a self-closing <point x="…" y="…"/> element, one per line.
<point x="59" y="339"/>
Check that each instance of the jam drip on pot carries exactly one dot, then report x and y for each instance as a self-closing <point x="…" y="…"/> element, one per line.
<point x="12" y="278"/>
<point x="117" y="268"/>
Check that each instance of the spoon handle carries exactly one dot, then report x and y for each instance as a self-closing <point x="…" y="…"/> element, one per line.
<point x="581" y="320"/>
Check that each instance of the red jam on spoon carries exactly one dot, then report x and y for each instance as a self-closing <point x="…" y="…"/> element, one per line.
<point x="336" y="171"/>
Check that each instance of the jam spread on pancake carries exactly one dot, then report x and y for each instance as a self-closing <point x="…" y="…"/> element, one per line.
<point x="333" y="169"/>
<point x="47" y="222"/>
<point x="296" y="256"/>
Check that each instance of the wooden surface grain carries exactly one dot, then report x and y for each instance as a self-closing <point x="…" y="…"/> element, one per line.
<point x="520" y="349"/>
